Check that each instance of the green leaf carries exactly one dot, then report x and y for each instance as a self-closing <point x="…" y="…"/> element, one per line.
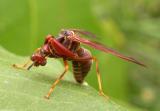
<point x="25" y="90"/>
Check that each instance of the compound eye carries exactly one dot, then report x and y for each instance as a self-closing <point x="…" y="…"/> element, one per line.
<point x="38" y="60"/>
<point x="68" y="33"/>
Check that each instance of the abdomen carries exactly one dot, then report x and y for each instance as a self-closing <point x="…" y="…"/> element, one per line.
<point x="81" y="68"/>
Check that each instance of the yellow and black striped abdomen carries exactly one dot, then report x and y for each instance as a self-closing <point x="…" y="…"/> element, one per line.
<point x="81" y="68"/>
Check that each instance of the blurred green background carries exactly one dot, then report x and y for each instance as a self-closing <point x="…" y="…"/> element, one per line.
<point x="129" y="26"/>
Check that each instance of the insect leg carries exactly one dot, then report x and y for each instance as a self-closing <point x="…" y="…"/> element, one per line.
<point x="97" y="70"/>
<point x="27" y="65"/>
<point x="58" y="80"/>
<point x="99" y="79"/>
<point x="23" y="66"/>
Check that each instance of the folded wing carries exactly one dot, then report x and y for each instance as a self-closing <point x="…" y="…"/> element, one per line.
<point x="105" y="49"/>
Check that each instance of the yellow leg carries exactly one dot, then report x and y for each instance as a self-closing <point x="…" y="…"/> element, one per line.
<point x="58" y="80"/>
<point x="24" y="66"/>
<point x="99" y="79"/>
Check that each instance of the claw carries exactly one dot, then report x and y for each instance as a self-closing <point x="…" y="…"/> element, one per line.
<point x="102" y="94"/>
<point x="46" y="97"/>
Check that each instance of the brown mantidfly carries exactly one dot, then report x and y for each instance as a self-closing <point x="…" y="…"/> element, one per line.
<point x="67" y="46"/>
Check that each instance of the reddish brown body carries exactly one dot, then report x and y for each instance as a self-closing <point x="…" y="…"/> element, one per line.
<point x="67" y="46"/>
<point x="80" y="68"/>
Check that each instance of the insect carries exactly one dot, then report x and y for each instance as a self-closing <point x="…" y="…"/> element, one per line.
<point x="68" y="47"/>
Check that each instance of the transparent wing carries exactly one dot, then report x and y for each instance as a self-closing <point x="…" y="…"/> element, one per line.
<point x="105" y="49"/>
<point x="84" y="32"/>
